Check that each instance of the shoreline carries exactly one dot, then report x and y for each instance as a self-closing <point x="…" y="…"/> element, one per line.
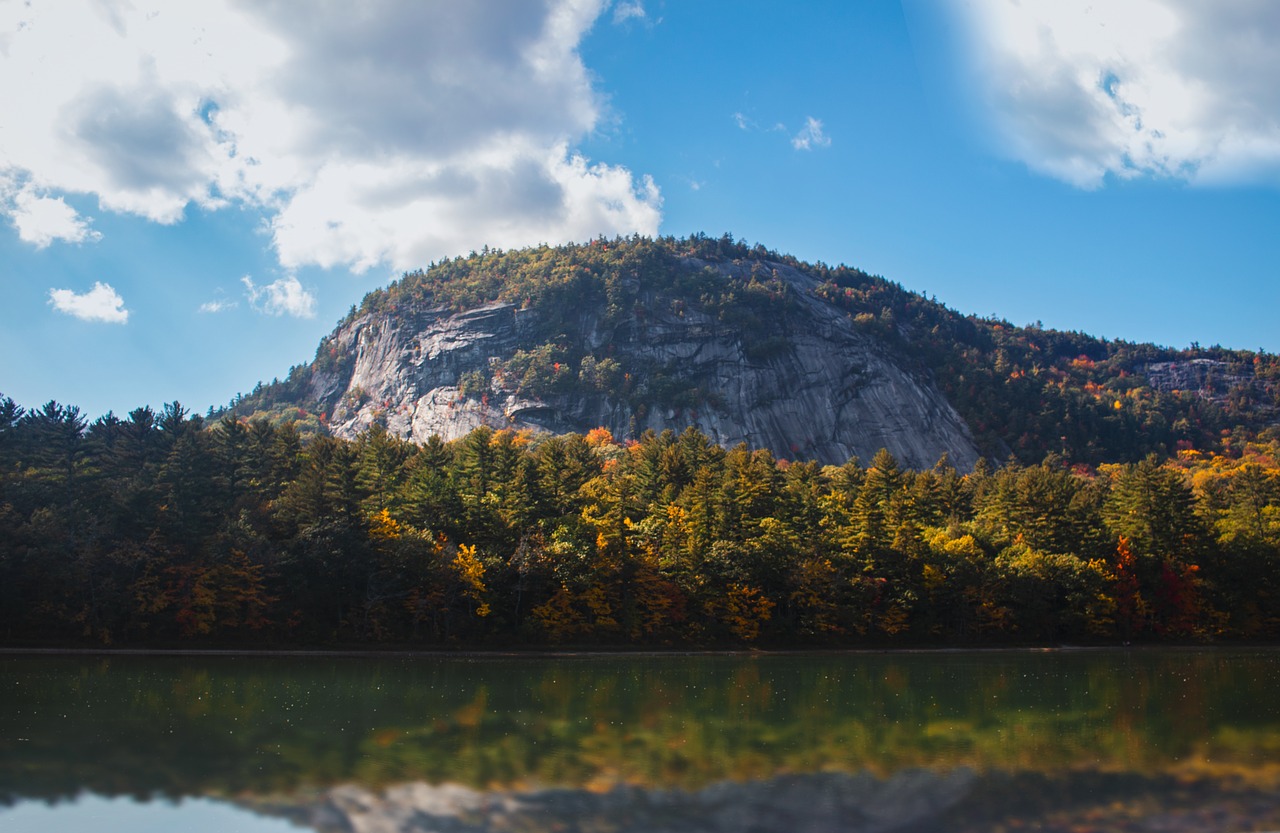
<point x="594" y="653"/>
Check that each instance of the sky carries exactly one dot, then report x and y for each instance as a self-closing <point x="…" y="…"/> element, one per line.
<point x="191" y="195"/>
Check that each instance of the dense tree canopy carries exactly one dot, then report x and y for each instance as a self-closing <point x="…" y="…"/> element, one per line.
<point x="167" y="528"/>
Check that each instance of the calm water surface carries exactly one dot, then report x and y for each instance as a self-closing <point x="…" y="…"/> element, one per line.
<point x="965" y="741"/>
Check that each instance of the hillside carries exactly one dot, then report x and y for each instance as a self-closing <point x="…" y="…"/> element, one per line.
<point x="748" y="345"/>
<point x="167" y="528"/>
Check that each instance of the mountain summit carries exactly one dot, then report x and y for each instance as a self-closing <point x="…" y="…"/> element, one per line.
<point x="750" y="346"/>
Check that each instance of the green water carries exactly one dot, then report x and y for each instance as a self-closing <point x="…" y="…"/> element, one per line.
<point x="913" y="742"/>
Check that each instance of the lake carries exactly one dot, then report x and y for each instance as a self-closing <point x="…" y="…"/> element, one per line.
<point x="1105" y="740"/>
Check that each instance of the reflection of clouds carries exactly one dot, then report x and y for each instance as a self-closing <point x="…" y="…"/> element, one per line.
<point x="817" y="803"/>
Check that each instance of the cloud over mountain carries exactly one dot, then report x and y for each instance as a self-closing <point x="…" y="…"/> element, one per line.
<point x="286" y="296"/>
<point x="383" y="133"/>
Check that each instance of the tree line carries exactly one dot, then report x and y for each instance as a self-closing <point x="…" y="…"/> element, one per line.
<point x="168" y="528"/>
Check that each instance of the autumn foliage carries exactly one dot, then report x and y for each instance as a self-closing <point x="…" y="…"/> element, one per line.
<point x="165" y="529"/>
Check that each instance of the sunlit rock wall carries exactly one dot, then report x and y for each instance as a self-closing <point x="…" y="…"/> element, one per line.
<point x="822" y="390"/>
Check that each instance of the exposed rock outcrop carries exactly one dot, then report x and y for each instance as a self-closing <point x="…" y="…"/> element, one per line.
<point x="818" y="803"/>
<point x="1206" y="376"/>
<point x="810" y="384"/>
<point x="1217" y="381"/>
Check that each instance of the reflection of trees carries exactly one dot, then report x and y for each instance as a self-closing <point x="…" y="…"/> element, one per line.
<point x="181" y="726"/>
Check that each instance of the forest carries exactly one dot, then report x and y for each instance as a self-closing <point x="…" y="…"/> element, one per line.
<point x="171" y="529"/>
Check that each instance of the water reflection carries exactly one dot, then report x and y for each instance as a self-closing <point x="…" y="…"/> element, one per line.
<point x="916" y="742"/>
<point x="795" y="803"/>
<point x="95" y="814"/>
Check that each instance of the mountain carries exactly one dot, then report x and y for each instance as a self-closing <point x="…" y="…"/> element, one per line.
<point x="748" y="345"/>
<point x="788" y="371"/>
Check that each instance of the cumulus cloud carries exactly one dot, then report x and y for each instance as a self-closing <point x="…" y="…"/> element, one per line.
<point x="810" y="136"/>
<point x="391" y="132"/>
<point x="102" y="303"/>
<point x="1130" y="88"/>
<point x="286" y="296"/>
<point x="40" y="220"/>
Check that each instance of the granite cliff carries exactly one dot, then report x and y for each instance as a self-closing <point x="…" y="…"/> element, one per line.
<point x="803" y="380"/>
<point x="752" y="346"/>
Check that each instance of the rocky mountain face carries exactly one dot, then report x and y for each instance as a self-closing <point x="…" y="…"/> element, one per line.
<point x="799" y="378"/>
<point x="856" y="803"/>
<point x="1222" y="383"/>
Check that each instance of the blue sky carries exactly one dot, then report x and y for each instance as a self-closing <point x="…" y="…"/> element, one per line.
<point x="191" y="196"/>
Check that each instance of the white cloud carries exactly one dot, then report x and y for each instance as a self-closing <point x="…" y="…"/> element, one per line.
<point x="628" y="10"/>
<point x="286" y="296"/>
<point x="810" y="136"/>
<point x="40" y="220"/>
<point x="366" y="214"/>
<point x="102" y="303"/>
<point x="217" y="305"/>
<point x="1163" y="88"/>
<point x="394" y="133"/>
